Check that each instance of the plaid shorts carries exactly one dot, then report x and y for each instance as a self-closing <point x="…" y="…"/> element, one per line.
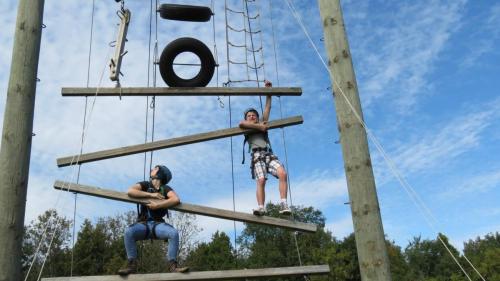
<point x="263" y="163"/>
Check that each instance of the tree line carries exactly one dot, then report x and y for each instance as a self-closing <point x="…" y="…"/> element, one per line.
<point x="99" y="250"/>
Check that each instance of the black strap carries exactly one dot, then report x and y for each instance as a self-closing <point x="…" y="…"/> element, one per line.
<point x="243" y="148"/>
<point x="145" y="223"/>
<point x="154" y="229"/>
<point x="266" y="138"/>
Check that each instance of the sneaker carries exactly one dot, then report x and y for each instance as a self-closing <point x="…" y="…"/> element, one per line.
<point x="259" y="211"/>
<point x="129" y="269"/>
<point x="284" y="210"/>
<point x="174" y="267"/>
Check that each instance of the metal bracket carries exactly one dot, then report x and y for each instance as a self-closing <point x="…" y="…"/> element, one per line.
<point x="116" y="61"/>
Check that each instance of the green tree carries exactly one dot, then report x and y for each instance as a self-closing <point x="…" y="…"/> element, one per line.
<point x="343" y="260"/>
<point x="265" y="246"/>
<point x="89" y="251"/>
<point x="430" y="261"/>
<point x="99" y="248"/>
<point x="46" y="244"/>
<point x="399" y="266"/>
<point x="484" y="254"/>
<point x="152" y="254"/>
<point x="217" y="254"/>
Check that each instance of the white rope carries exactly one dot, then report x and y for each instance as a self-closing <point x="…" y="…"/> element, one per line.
<point x="283" y="138"/>
<point x="426" y="212"/>
<point x="66" y="186"/>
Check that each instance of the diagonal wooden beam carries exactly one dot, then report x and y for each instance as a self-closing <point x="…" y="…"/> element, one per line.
<point x="185" y="207"/>
<point x="208" y="275"/>
<point x="184" y="91"/>
<point x="139" y="148"/>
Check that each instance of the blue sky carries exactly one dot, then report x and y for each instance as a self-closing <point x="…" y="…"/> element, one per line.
<point x="427" y="73"/>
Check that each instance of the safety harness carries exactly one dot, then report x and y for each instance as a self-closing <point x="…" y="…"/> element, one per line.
<point x="267" y="151"/>
<point x="145" y="215"/>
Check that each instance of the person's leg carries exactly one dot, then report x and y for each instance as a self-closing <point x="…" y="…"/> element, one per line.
<point x="166" y="231"/>
<point x="261" y="192"/>
<point x="133" y="233"/>
<point x="278" y="170"/>
<point x="260" y="173"/>
<point x="283" y="185"/>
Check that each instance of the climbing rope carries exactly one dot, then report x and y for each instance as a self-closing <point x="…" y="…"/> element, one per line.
<point x="67" y="187"/>
<point x="216" y="55"/>
<point x="283" y="137"/>
<point x="147" y="98"/>
<point x="232" y="180"/>
<point x="82" y="137"/>
<point x="422" y="207"/>
<point x="153" y="100"/>
<point x="231" y="138"/>
<point x="253" y="52"/>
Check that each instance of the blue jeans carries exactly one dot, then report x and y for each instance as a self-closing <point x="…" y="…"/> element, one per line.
<point x="163" y="231"/>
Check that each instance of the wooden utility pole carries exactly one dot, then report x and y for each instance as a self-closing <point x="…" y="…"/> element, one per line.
<point x="368" y="230"/>
<point x="16" y="136"/>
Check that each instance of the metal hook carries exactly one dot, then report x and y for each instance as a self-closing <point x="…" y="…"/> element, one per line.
<point x="153" y="103"/>
<point x="221" y="103"/>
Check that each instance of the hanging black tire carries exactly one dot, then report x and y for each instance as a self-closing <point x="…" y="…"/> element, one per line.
<point x="186" y="44"/>
<point x="185" y="12"/>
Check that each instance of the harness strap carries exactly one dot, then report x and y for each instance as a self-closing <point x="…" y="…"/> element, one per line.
<point x="262" y="157"/>
<point x="145" y="223"/>
<point x="268" y="143"/>
<point x="153" y="231"/>
<point x="243" y="148"/>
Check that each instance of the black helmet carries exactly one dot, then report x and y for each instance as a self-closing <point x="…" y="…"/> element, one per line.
<point x="251" y="109"/>
<point x="163" y="174"/>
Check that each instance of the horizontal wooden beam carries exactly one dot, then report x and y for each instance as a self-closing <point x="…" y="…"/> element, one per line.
<point x="208" y="275"/>
<point x="139" y="148"/>
<point x="187" y="208"/>
<point x="184" y="91"/>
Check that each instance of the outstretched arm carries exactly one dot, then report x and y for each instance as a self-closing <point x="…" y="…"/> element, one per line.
<point x="267" y="108"/>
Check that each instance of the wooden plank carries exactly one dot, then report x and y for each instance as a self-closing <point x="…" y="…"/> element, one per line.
<point x="188" y="208"/>
<point x="177" y="91"/>
<point x="133" y="149"/>
<point x="208" y="275"/>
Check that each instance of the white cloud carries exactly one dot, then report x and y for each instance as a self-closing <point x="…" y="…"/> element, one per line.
<point x="396" y="60"/>
<point x="478" y="184"/>
<point x="483" y="40"/>
<point x="395" y="53"/>
<point x="341" y="228"/>
<point x="445" y="143"/>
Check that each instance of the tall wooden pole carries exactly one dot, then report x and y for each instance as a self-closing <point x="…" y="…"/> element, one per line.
<point x="16" y="136"/>
<point x="368" y="230"/>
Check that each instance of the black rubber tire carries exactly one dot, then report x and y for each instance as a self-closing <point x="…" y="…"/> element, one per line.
<point x="185" y="12"/>
<point x="186" y="44"/>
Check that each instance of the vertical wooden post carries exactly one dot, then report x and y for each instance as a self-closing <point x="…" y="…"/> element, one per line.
<point x="16" y="136"/>
<point x="368" y="230"/>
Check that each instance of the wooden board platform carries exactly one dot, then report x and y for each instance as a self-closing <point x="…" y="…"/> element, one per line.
<point x="188" y="208"/>
<point x="184" y="91"/>
<point x="207" y="275"/>
<point x="133" y="149"/>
